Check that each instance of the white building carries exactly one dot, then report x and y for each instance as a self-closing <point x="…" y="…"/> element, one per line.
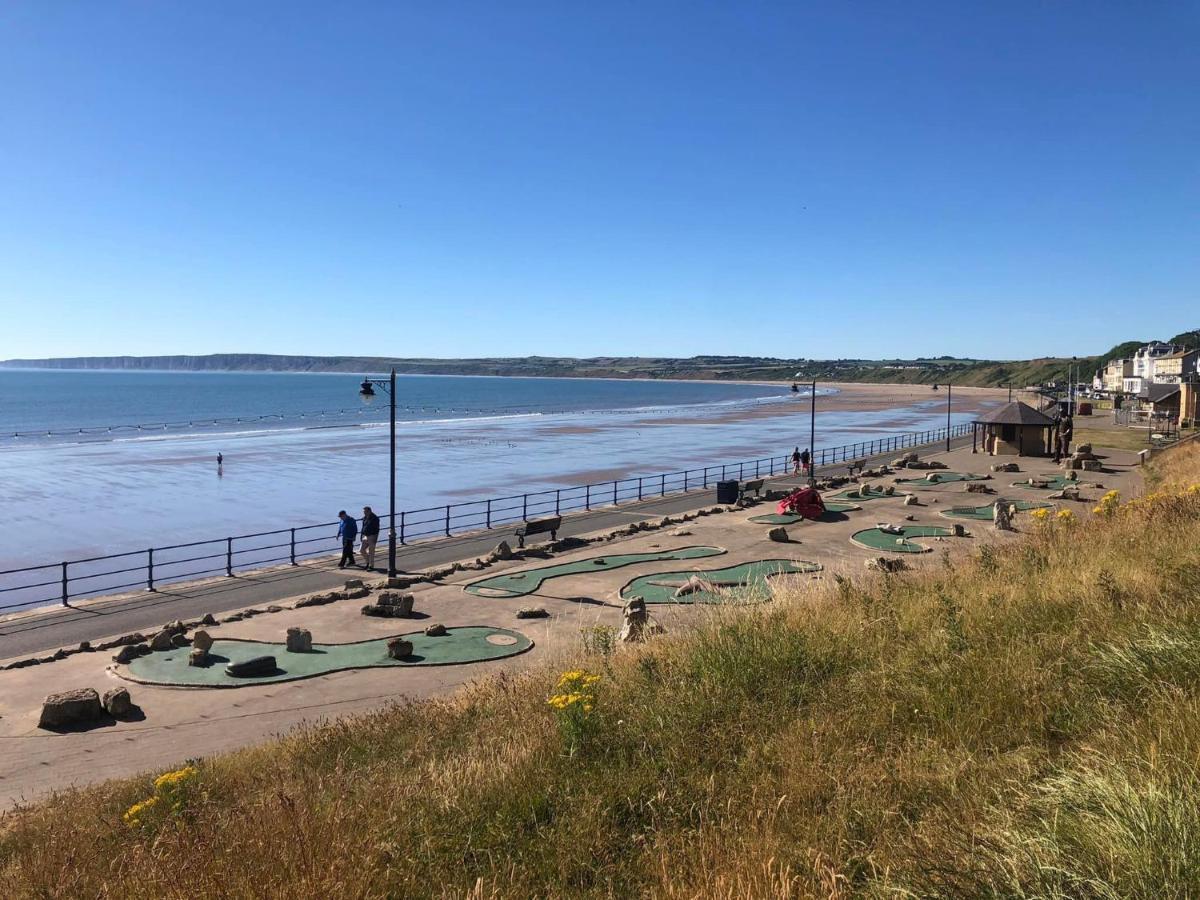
<point x="1142" y="365"/>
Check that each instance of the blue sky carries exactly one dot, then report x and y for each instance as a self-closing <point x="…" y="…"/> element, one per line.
<point x="447" y="179"/>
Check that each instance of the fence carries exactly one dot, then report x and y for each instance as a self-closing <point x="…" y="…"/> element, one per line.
<point x="115" y="573"/>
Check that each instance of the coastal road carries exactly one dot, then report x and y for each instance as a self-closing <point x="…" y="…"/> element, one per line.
<point x="44" y="632"/>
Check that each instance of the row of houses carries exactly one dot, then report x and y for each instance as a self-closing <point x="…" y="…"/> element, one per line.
<point x="1161" y="377"/>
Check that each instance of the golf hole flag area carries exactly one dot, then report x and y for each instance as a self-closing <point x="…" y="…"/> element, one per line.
<point x="466" y="644"/>
<point x="984" y="513"/>
<point x="792" y="518"/>
<point x="939" y="477"/>
<point x="902" y="542"/>
<point x="528" y="581"/>
<point x="660" y="587"/>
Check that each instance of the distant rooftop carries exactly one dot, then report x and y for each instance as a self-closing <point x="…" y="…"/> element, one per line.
<point x="1015" y="413"/>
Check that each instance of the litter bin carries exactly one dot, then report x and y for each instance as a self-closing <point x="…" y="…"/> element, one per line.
<point x="727" y="491"/>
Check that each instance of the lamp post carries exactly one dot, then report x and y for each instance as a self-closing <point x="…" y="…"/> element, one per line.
<point x="812" y="436"/>
<point x="367" y="393"/>
<point x="948" y="389"/>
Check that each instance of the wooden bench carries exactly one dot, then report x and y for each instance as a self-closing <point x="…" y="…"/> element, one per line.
<point x="539" y="526"/>
<point x="747" y="486"/>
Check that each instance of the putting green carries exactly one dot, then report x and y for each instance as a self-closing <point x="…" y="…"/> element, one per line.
<point x="518" y="584"/>
<point x="660" y="587"/>
<point x="984" y="513"/>
<point x="874" y="539"/>
<point x="872" y="494"/>
<point x="466" y="644"/>
<point x="940" y="477"/>
<point x="1053" y="483"/>
<point x="792" y="518"/>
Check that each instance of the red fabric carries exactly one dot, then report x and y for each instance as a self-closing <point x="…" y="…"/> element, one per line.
<point x="805" y="502"/>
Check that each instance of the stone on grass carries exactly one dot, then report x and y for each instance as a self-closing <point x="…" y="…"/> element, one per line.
<point x="977" y="487"/>
<point x="202" y="640"/>
<point x="198" y="657"/>
<point x="69" y="707"/>
<point x="179" y="640"/>
<point x="1002" y="516"/>
<point x="910" y="499"/>
<point x="299" y="640"/>
<point x="532" y="612"/>
<point x="161" y="641"/>
<point x="117" y="702"/>
<point x="437" y="629"/>
<point x="399" y="648"/>
<point x="251" y="668"/>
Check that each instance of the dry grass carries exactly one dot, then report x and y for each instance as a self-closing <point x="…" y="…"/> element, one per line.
<point x="1025" y="725"/>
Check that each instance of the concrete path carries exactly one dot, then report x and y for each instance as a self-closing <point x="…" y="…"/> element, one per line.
<point x="28" y="634"/>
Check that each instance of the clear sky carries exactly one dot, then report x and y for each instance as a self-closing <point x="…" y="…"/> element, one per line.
<point x="833" y="179"/>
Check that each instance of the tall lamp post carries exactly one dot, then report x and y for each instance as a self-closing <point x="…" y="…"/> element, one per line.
<point x="367" y="393"/>
<point x="812" y="436"/>
<point x="948" y="416"/>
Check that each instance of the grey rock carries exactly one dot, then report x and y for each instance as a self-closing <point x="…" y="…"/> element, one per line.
<point x="532" y="612"/>
<point x="208" y="619"/>
<point x="354" y="584"/>
<point x="85" y="647"/>
<point x="1091" y="465"/>
<point x="161" y="641"/>
<point x="1002" y="516"/>
<point x="633" y="629"/>
<point x="960" y="530"/>
<point x="176" y="627"/>
<point x="910" y="500"/>
<point x="437" y="629"/>
<point x="69" y="707"/>
<point x="198" y="657"/>
<point x="251" y="668"/>
<point x="502" y="551"/>
<point x="117" y="702"/>
<point x="778" y="534"/>
<point x="179" y="640"/>
<point x="399" y="648"/>
<point x="126" y="655"/>
<point x="299" y="640"/>
<point x="681" y="532"/>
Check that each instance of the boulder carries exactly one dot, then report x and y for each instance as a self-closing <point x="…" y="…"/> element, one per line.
<point x="208" y="619"/>
<point x="532" y="612"/>
<point x="910" y="499"/>
<point x="129" y="653"/>
<point x="437" y="629"/>
<point x="202" y="640"/>
<point x="399" y="648"/>
<point x="1002" y="516"/>
<point x="252" y="668"/>
<point x="161" y="641"/>
<point x="890" y="490"/>
<point x="176" y="627"/>
<point x="198" y="657"/>
<point x="116" y="702"/>
<point x="179" y="640"/>
<point x="1083" y="450"/>
<point x="502" y="551"/>
<point x="123" y="641"/>
<point x="933" y="477"/>
<point x="390" y="604"/>
<point x="1090" y="465"/>
<point x="778" y="534"/>
<point x="960" y="530"/>
<point x="681" y="532"/>
<point x="976" y="487"/>
<point x="70" y="707"/>
<point x="637" y="625"/>
<point x="299" y="640"/>
<point x="354" y="584"/>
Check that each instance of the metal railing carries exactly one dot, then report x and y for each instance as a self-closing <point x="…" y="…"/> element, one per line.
<point x="60" y="582"/>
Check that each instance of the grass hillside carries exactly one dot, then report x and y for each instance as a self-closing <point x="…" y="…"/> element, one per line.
<point x="1026" y="724"/>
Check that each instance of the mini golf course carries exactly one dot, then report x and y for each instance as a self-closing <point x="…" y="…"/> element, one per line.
<point x="1053" y="483"/>
<point x="792" y="518"/>
<point x="874" y="539"/>
<point x="466" y="644"/>
<point x="984" y="513"/>
<point x="855" y="494"/>
<point x="940" y="477"/>
<point x="518" y="584"/>
<point x="661" y="586"/>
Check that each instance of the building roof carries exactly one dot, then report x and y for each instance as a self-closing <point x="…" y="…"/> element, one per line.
<point x="1015" y="413"/>
<point x="1157" y="393"/>
<point x="1180" y="355"/>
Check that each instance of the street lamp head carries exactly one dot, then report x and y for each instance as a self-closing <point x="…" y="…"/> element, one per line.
<point x="366" y="393"/>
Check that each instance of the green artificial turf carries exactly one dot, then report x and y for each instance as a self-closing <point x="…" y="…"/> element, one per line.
<point x="661" y="586"/>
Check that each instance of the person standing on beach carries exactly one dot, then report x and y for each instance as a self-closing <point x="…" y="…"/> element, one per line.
<point x="796" y="461"/>
<point x="220" y="460"/>
<point x="805" y="458"/>
<point x="370" y="537"/>
<point x="347" y="531"/>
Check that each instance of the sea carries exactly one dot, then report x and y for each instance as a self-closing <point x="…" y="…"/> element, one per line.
<point x="102" y="462"/>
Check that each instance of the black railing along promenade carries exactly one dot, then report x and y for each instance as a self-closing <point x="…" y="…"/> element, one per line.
<point x="115" y="573"/>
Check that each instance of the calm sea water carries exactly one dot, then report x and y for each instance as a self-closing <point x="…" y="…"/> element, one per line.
<point x="83" y="490"/>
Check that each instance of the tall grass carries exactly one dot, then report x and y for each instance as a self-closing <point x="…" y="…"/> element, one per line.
<point x="1025" y="724"/>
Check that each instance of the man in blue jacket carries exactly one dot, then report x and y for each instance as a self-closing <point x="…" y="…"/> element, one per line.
<point x="347" y="531"/>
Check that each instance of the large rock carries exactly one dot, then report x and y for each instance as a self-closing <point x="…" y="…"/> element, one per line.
<point x="252" y="668"/>
<point x="399" y="648"/>
<point x="117" y="702"/>
<point x="910" y="499"/>
<point x="532" y="612"/>
<point x="1002" y="516"/>
<point x="354" y="584"/>
<point x="130" y="652"/>
<point x="390" y="605"/>
<point x="1006" y="467"/>
<point x="1090" y="465"/>
<point x="179" y="640"/>
<point x="299" y="640"/>
<point x="162" y="641"/>
<point x="437" y="629"/>
<point x="502" y="551"/>
<point x="202" y="640"/>
<point x="978" y="487"/>
<point x="198" y="657"/>
<point x="779" y="535"/>
<point x="70" y="707"/>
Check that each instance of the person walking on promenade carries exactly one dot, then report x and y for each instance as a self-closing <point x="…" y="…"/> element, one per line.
<point x="805" y="459"/>
<point x="347" y="531"/>
<point x="370" y="537"/>
<point x="796" y="461"/>
<point x="220" y="459"/>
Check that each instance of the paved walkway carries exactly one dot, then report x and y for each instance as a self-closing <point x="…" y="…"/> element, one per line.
<point x="44" y="632"/>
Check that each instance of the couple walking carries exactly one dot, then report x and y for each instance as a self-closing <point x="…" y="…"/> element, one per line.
<point x="348" y="531"/>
